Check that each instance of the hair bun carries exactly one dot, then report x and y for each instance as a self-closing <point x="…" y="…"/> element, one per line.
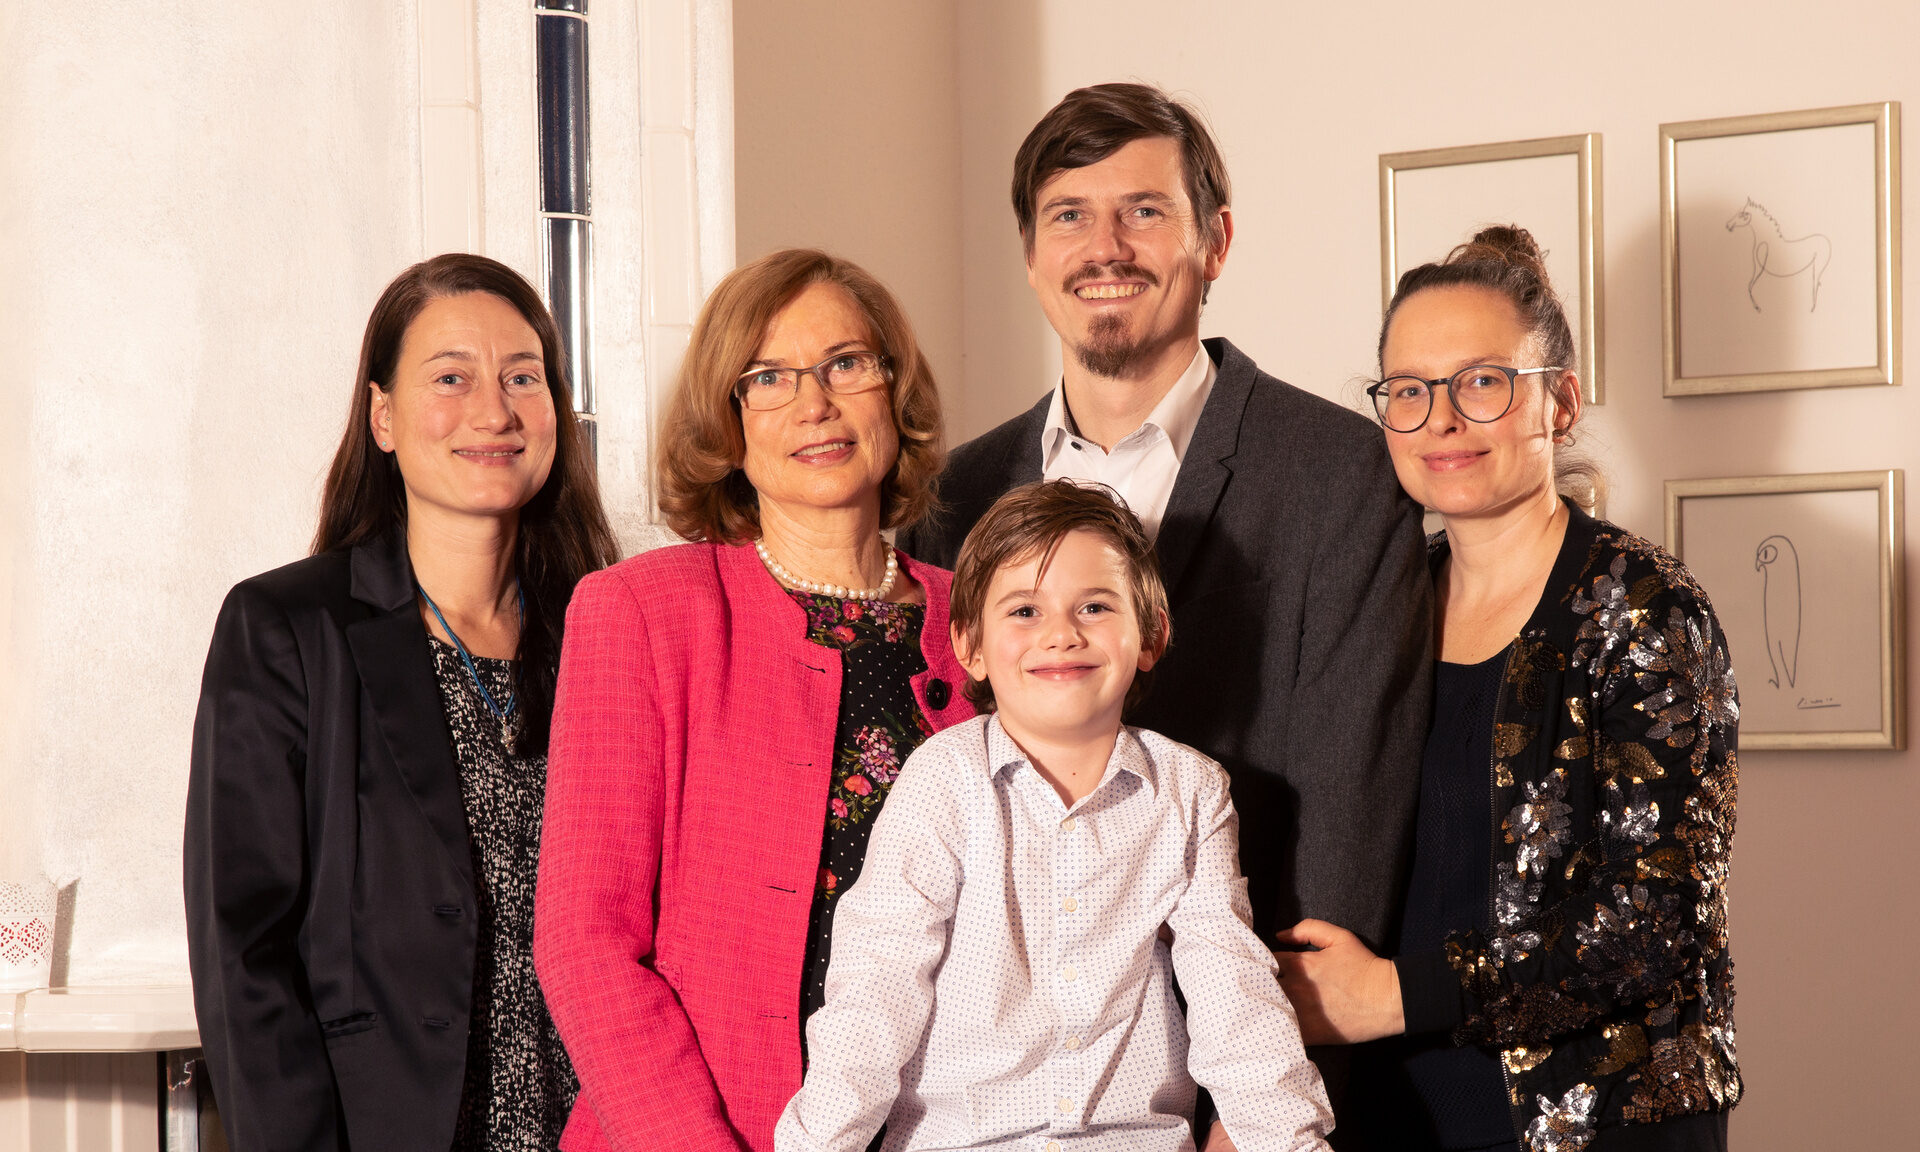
<point x="1507" y="244"/>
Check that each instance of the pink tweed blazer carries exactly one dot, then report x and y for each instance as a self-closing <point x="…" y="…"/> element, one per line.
<point x="693" y="740"/>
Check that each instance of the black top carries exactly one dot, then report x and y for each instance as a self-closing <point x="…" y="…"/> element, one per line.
<point x="519" y="1086"/>
<point x="1451" y="854"/>
<point x="879" y="727"/>
<point x="1449" y="1097"/>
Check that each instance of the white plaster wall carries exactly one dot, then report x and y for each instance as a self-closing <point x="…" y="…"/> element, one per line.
<point x="1304" y="98"/>
<point x="198" y="208"/>
<point x="16" y="791"/>
<point x="202" y="201"/>
<point x="663" y="210"/>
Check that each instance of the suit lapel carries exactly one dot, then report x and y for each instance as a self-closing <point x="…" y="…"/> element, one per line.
<point x="395" y="665"/>
<point x="1204" y="472"/>
<point x="1021" y="464"/>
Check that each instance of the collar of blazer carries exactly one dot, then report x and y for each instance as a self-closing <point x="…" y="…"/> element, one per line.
<point x="1206" y="468"/>
<point x="383" y="573"/>
<point x="395" y="664"/>
<point x="766" y="598"/>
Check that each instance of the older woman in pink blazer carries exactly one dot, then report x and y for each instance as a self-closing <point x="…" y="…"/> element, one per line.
<point x="731" y="712"/>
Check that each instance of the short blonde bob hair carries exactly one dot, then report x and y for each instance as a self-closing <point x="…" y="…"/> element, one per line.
<point x="704" y="494"/>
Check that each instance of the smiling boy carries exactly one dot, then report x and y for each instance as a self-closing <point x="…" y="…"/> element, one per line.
<point x="1000" y="973"/>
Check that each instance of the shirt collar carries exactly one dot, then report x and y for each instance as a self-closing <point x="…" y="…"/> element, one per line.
<point x="1053" y="434"/>
<point x="1178" y="412"/>
<point x="1176" y="416"/>
<point x="1129" y="755"/>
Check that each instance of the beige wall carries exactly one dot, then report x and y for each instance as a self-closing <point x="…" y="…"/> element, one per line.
<point x="1304" y="98"/>
<point x="880" y="188"/>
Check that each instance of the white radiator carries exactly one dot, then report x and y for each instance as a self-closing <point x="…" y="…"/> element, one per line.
<point x="80" y="1102"/>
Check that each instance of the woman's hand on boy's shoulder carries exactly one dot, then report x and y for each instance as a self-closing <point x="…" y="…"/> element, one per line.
<point x="1341" y="992"/>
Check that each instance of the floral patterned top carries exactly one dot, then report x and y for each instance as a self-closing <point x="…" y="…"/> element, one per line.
<point x="1603" y="980"/>
<point x="880" y="725"/>
<point x="519" y="1087"/>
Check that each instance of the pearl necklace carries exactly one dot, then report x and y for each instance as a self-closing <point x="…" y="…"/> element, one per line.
<point x="838" y="590"/>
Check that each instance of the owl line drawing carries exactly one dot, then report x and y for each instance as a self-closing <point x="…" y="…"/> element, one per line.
<point x="1778" y="562"/>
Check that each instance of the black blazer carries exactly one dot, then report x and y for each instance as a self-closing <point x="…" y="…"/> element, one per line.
<point x="1301" y="632"/>
<point x="329" y="887"/>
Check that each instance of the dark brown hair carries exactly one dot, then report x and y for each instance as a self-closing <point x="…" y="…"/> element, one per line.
<point x="1506" y="260"/>
<point x="563" y="533"/>
<point x="1030" y="521"/>
<point x="704" y="494"/>
<point x="1091" y="124"/>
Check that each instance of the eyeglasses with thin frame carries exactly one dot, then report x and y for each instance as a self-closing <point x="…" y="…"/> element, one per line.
<point x="841" y="374"/>
<point x="1481" y="393"/>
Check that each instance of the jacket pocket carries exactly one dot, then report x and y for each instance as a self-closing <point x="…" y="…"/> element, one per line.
<point x="348" y="1025"/>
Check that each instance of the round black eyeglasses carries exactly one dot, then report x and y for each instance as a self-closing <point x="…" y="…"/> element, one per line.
<point x="1482" y="394"/>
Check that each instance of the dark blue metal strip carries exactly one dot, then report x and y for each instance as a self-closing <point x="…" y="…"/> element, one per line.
<point x="562" y="78"/>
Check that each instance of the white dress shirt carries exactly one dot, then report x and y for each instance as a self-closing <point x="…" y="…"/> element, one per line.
<point x="1144" y="464"/>
<point x="998" y="980"/>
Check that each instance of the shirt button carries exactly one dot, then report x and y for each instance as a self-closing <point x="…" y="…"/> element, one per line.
<point x="1065" y="1105"/>
<point x="1073" y="1043"/>
<point x="1053" y="1146"/>
<point x="1070" y="904"/>
<point x="1068" y="824"/>
<point x="1069" y="973"/>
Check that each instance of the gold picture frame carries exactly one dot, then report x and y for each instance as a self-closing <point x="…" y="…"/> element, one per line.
<point x="1573" y="219"/>
<point x="1820" y="189"/>
<point x="1807" y="576"/>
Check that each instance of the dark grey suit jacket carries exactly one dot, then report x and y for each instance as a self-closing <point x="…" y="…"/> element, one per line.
<point x="1297" y="572"/>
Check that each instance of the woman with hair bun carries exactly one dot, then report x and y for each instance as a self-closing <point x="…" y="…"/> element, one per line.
<point x="1563" y="980"/>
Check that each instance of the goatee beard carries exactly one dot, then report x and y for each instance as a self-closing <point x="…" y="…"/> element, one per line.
<point x="1110" y="349"/>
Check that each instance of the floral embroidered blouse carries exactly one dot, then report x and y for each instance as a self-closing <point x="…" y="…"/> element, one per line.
<point x="879" y="727"/>
<point x="1603" y="980"/>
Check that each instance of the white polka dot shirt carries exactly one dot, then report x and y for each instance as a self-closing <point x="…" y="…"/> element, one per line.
<point x="998" y="980"/>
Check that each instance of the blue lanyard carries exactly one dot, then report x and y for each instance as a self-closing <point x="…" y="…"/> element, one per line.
<point x="499" y="713"/>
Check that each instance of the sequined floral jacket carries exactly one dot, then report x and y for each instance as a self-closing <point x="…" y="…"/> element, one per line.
<point x="1605" y="980"/>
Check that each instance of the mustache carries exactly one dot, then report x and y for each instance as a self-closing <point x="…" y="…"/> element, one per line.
<point x="1120" y="271"/>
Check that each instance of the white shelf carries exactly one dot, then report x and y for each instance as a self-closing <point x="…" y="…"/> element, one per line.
<point x="98" y="1019"/>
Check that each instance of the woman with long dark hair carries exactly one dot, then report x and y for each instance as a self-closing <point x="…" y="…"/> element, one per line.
<point x="369" y="757"/>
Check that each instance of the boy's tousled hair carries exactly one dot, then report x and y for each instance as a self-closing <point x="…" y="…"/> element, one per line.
<point x="1030" y="521"/>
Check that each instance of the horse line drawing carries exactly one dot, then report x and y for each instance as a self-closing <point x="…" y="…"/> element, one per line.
<point x="1775" y="255"/>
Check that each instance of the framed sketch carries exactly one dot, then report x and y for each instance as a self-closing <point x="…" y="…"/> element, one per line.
<point x="1780" y="245"/>
<point x="1805" y="574"/>
<point x="1431" y="201"/>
